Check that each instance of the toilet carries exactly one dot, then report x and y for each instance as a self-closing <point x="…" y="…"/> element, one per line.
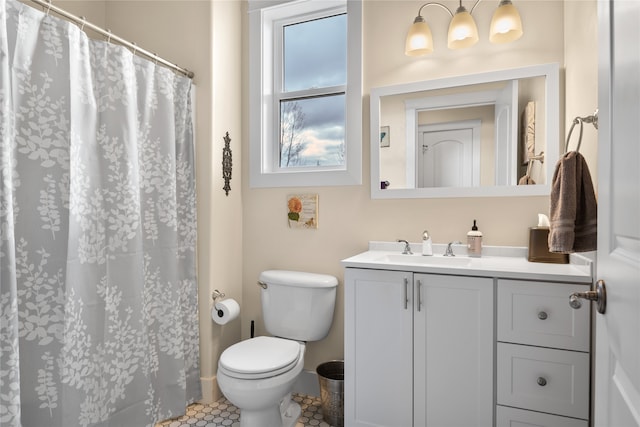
<point x="257" y="375"/>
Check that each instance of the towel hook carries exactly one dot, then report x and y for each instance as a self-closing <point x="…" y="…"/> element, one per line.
<point x="576" y="121"/>
<point x="539" y="157"/>
<point x="593" y="119"/>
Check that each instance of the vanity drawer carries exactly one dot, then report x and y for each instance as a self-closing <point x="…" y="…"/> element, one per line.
<point x="538" y="313"/>
<point x="543" y="379"/>
<point x="513" y="417"/>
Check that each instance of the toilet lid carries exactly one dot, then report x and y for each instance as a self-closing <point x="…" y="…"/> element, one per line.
<point x="260" y="357"/>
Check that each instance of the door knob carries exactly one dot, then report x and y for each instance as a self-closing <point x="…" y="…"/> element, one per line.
<point x="599" y="295"/>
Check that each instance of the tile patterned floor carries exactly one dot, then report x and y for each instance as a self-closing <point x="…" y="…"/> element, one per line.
<point x="223" y="413"/>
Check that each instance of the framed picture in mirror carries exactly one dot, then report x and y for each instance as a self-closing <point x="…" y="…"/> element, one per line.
<point x="385" y="137"/>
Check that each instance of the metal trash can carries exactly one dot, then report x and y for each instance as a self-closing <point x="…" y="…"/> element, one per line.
<point x="331" y="378"/>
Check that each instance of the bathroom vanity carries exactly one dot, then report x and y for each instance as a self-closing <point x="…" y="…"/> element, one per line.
<point x="451" y="341"/>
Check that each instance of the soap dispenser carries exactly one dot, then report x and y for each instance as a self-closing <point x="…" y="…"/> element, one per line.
<point x="474" y="241"/>
<point x="427" y="247"/>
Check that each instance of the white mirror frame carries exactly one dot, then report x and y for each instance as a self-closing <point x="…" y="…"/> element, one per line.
<point x="552" y="134"/>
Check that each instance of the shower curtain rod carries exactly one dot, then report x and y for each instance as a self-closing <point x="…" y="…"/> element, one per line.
<point x="107" y="33"/>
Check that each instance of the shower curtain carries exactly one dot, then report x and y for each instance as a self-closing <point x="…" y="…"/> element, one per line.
<point x="98" y="301"/>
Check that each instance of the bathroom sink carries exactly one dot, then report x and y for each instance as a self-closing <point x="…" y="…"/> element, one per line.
<point x="435" y="260"/>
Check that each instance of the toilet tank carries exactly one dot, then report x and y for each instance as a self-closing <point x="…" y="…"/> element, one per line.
<point x="297" y="305"/>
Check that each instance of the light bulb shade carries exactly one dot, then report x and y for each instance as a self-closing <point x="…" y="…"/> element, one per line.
<point x="506" y="25"/>
<point x="419" y="40"/>
<point x="463" y="31"/>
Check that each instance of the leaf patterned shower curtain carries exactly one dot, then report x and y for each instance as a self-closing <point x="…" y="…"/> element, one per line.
<point x="98" y="293"/>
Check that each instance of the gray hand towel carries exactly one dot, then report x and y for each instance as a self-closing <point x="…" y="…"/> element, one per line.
<point x="573" y="207"/>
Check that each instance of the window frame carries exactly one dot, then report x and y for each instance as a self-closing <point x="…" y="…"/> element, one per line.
<point x="265" y="19"/>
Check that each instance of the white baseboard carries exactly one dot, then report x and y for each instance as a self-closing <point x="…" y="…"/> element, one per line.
<point x="307" y="383"/>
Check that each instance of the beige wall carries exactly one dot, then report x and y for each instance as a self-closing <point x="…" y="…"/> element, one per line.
<point x="581" y="58"/>
<point x="348" y="218"/>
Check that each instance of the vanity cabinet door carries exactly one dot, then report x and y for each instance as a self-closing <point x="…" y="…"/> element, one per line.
<point x="378" y="348"/>
<point x="453" y="345"/>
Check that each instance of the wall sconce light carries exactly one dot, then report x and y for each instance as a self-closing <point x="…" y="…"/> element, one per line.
<point x="506" y="26"/>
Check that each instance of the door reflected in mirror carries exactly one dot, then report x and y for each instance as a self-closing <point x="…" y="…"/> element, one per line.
<point x="471" y="135"/>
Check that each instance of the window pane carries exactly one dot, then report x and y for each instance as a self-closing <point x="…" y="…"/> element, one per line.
<point x="312" y="132"/>
<point x="315" y="53"/>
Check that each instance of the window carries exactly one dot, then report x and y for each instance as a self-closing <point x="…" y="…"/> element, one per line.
<point x="305" y="93"/>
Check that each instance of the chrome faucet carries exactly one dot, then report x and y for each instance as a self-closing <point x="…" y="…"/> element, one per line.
<point x="449" y="251"/>
<point x="407" y="247"/>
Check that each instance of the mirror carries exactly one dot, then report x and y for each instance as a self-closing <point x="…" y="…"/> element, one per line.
<point x="465" y="136"/>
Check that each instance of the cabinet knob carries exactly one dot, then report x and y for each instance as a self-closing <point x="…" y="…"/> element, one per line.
<point x="542" y="381"/>
<point x="542" y="315"/>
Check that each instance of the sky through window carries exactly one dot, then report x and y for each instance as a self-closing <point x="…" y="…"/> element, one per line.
<point x="313" y="125"/>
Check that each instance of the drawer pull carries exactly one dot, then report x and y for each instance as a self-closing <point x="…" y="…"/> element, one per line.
<point x="542" y="315"/>
<point x="542" y="381"/>
<point x="406" y="293"/>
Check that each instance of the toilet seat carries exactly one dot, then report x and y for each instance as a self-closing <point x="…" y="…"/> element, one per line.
<point x="260" y="357"/>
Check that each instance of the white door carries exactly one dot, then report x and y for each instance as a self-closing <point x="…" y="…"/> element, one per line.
<point x="449" y="154"/>
<point x="617" y="379"/>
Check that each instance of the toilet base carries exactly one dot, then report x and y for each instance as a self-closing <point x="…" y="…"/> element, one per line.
<point x="284" y="415"/>
<point x="290" y="413"/>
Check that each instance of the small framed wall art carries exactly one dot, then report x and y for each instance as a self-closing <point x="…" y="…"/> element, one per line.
<point x="302" y="210"/>
<point x="385" y="136"/>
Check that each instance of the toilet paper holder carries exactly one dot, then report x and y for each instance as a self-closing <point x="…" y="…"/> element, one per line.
<point x="223" y="310"/>
<point x="217" y="294"/>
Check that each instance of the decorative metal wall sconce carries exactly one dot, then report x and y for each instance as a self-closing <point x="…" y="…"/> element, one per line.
<point x="226" y="164"/>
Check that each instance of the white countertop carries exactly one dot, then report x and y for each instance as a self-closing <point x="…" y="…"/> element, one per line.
<point x="496" y="261"/>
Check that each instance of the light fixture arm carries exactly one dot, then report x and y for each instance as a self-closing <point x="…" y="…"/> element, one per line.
<point x="446" y="8"/>
<point x="473" y="7"/>
<point x="450" y="12"/>
<point x="434" y="4"/>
